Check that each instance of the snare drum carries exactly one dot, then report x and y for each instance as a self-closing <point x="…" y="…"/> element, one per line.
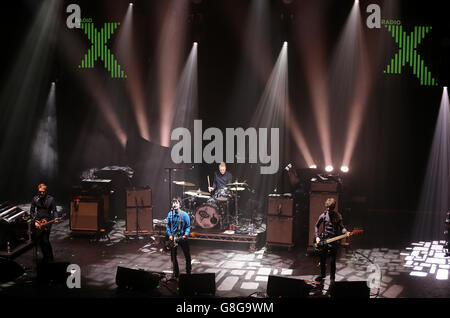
<point x="222" y="195"/>
<point x="207" y="216"/>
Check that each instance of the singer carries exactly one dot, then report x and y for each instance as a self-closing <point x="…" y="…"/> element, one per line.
<point x="178" y="227"/>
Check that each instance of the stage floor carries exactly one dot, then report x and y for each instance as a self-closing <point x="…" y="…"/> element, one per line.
<point x="239" y="272"/>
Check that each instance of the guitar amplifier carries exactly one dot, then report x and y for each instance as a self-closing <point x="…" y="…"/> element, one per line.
<point x="144" y="219"/>
<point x="88" y="213"/>
<point x="330" y="186"/>
<point x="141" y="197"/>
<point x="280" y="221"/>
<point x="280" y="230"/>
<point x="280" y="206"/>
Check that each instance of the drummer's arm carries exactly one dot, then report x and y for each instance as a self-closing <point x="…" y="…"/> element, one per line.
<point x="213" y="187"/>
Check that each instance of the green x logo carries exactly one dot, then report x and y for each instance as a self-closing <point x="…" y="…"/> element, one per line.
<point x="407" y="53"/>
<point x="99" y="49"/>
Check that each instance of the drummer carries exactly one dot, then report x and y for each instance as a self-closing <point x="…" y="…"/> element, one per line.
<point x="221" y="178"/>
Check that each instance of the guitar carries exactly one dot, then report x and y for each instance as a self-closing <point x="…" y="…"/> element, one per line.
<point x="324" y="243"/>
<point x="177" y="237"/>
<point x="43" y="224"/>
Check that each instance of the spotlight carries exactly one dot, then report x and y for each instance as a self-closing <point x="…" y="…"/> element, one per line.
<point x="344" y="169"/>
<point x="131" y="3"/>
<point x="329" y="168"/>
<point x="312" y="167"/>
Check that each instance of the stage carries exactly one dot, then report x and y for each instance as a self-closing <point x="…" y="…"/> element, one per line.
<point x="258" y="118"/>
<point x="238" y="271"/>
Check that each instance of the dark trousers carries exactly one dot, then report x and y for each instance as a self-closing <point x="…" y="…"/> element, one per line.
<point x="184" y="244"/>
<point x="332" y="253"/>
<point x="43" y="240"/>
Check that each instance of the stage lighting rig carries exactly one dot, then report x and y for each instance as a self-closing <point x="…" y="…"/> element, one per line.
<point x="344" y="169"/>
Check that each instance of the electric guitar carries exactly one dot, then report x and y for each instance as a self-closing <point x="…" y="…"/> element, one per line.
<point x="43" y="224"/>
<point x="325" y="243"/>
<point x="177" y="237"/>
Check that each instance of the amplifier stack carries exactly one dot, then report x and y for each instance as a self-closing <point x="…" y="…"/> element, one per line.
<point x="280" y="221"/>
<point x="139" y="211"/>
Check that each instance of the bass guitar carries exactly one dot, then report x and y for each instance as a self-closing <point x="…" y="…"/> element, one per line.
<point x="325" y="243"/>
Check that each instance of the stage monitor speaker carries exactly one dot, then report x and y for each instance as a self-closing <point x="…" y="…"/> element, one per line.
<point x="144" y="219"/>
<point x="137" y="279"/>
<point x="84" y="215"/>
<point x="316" y="208"/>
<point x="9" y="270"/>
<point x="141" y="197"/>
<point x="358" y="289"/>
<point x="197" y="284"/>
<point x="284" y="287"/>
<point x="52" y="273"/>
<point x="279" y="229"/>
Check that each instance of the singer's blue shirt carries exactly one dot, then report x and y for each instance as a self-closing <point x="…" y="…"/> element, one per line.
<point x="172" y="223"/>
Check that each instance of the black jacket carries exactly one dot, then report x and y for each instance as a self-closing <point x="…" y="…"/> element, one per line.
<point x="332" y="224"/>
<point x="43" y="208"/>
<point x="221" y="181"/>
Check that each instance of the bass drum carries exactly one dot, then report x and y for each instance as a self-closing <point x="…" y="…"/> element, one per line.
<point x="207" y="216"/>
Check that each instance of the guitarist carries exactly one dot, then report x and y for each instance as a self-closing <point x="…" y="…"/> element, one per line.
<point x="43" y="209"/>
<point x="332" y="226"/>
<point x="178" y="227"/>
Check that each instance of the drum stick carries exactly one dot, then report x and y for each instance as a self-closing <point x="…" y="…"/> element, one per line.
<point x="209" y="186"/>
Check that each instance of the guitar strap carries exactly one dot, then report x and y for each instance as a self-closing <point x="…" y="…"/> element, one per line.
<point x="179" y="221"/>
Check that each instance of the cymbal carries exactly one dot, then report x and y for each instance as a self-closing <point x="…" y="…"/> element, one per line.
<point x="197" y="192"/>
<point x="184" y="183"/>
<point x="236" y="189"/>
<point x="237" y="184"/>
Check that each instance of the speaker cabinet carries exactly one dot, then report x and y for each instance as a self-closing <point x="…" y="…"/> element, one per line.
<point x="284" y="287"/>
<point x="52" y="273"/>
<point x="280" y="221"/>
<point x="280" y="206"/>
<point x="9" y="270"/>
<point x="358" y="289"/>
<point x="144" y="219"/>
<point x="89" y="213"/>
<point x="279" y="230"/>
<point x="137" y="279"/>
<point x="316" y="208"/>
<point x="141" y="197"/>
<point x="84" y="215"/>
<point x="197" y="284"/>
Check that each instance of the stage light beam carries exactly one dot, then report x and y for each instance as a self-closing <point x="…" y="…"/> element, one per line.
<point x="435" y="197"/>
<point x="311" y="45"/>
<point x="125" y="49"/>
<point x="171" y="42"/>
<point x="44" y="158"/>
<point x="351" y="81"/>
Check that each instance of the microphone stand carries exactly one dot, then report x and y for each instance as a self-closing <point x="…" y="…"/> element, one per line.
<point x="137" y="219"/>
<point x="170" y="180"/>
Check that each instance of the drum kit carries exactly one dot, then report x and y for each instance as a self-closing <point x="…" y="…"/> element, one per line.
<point x="217" y="211"/>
